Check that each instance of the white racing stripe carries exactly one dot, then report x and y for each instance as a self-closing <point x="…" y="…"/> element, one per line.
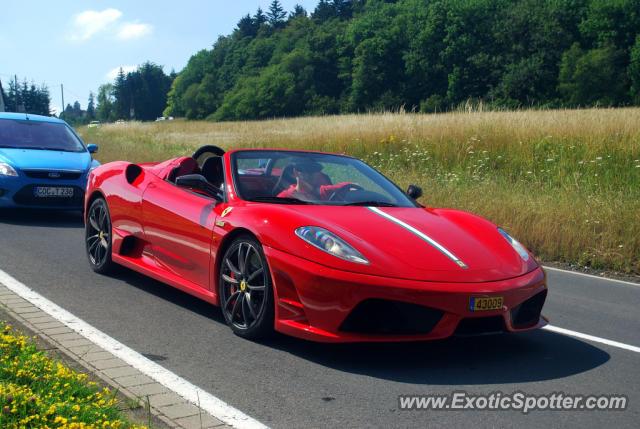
<point x="206" y="401"/>
<point x="591" y="338"/>
<point x="420" y="234"/>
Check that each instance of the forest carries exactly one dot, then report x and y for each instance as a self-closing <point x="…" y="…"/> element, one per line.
<point x="350" y="56"/>
<point x="416" y="55"/>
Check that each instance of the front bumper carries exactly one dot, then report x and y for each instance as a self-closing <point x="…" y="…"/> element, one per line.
<point x="320" y="303"/>
<point x="20" y="192"/>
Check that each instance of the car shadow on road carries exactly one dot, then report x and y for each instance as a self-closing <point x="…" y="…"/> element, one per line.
<point x="168" y="293"/>
<point x="42" y="217"/>
<point x="491" y="359"/>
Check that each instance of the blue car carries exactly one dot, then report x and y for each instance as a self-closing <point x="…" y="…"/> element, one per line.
<point x="43" y="163"/>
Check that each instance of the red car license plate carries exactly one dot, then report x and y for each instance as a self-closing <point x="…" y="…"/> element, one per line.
<point x="485" y="303"/>
<point x="51" y="191"/>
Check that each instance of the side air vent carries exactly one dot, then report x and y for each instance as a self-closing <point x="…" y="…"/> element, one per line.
<point x="132" y="172"/>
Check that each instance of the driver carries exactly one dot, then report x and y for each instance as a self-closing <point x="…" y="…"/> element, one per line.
<point x="311" y="183"/>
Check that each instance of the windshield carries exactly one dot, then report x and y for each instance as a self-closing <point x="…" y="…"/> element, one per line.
<point x="289" y="177"/>
<point x="25" y="134"/>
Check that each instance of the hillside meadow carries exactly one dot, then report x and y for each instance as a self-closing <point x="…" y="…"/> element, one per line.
<point x="566" y="183"/>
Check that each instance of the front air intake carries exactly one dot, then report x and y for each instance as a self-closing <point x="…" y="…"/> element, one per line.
<point x="386" y="317"/>
<point x="528" y="313"/>
<point x="480" y="326"/>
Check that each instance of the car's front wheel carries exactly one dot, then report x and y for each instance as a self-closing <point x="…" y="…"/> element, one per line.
<point x="246" y="292"/>
<point x="98" y="237"/>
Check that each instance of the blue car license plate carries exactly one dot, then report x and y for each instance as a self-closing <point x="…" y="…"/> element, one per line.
<point x="52" y="192"/>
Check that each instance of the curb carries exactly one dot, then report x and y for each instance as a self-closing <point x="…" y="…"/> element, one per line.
<point x="166" y="406"/>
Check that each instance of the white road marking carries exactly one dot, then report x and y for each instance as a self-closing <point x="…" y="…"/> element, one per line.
<point x="206" y="401"/>
<point x="592" y="338"/>
<point x="591" y="275"/>
<point x="209" y="403"/>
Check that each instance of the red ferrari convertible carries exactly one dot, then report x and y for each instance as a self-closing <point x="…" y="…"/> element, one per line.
<point x="315" y="245"/>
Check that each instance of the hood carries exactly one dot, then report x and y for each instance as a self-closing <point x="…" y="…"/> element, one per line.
<point x="411" y="243"/>
<point x="45" y="159"/>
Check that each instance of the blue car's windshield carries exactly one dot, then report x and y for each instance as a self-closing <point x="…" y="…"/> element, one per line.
<point x="291" y="177"/>
<point x="26" y="134"/>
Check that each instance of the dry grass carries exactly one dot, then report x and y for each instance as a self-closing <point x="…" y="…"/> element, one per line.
<point x="564" y="182"/>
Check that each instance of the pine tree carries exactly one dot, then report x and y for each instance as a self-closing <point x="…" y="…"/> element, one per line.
<point x="247" y="26"/>
<point x="91" y="109"/>
<point x="324" y="11"/>
<point x="259" y="18"/>
<point x="276" y="14"/>
<point x="121" y="95"/>
<point x="297" y="11"/>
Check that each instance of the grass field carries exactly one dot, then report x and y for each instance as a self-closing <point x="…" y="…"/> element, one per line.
<point x="564" y="182"/>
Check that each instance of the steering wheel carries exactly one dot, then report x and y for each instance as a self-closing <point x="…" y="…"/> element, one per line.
<point x="215" y="150"/>
<point x="345" y="188"/>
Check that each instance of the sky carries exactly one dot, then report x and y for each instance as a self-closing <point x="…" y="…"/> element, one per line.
<point x="82" y="44"/>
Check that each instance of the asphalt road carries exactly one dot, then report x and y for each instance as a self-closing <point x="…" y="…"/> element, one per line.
<point x="286" y="382"/>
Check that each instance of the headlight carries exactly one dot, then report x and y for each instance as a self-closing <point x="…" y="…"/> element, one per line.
<point x="515" y="244"/>
<point x="7" y="170"/>
<point x="328" y="242"/>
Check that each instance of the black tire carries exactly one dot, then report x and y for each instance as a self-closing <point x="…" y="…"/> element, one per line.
<point x="98" y="237"/>
<point x="245" y="289"/>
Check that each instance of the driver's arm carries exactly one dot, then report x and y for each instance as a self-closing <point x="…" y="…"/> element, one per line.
<point x="327" y="190"/>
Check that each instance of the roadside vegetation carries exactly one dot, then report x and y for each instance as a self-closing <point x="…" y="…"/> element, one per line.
<point x="564" y="182"/>
<point x="36" y="391"/>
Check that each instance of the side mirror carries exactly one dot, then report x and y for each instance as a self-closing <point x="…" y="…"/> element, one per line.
<point x="92" y="148"/>
<point x="414" y="192"/>
<point x="199" y="183"/>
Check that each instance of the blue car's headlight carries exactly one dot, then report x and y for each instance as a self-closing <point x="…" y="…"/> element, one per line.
<point x="7" y="170"/>
<point x="328" y="242"/>
<point x="515" y="244"/>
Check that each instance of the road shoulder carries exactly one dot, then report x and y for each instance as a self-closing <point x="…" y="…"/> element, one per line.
<point x="168" y="409"/>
